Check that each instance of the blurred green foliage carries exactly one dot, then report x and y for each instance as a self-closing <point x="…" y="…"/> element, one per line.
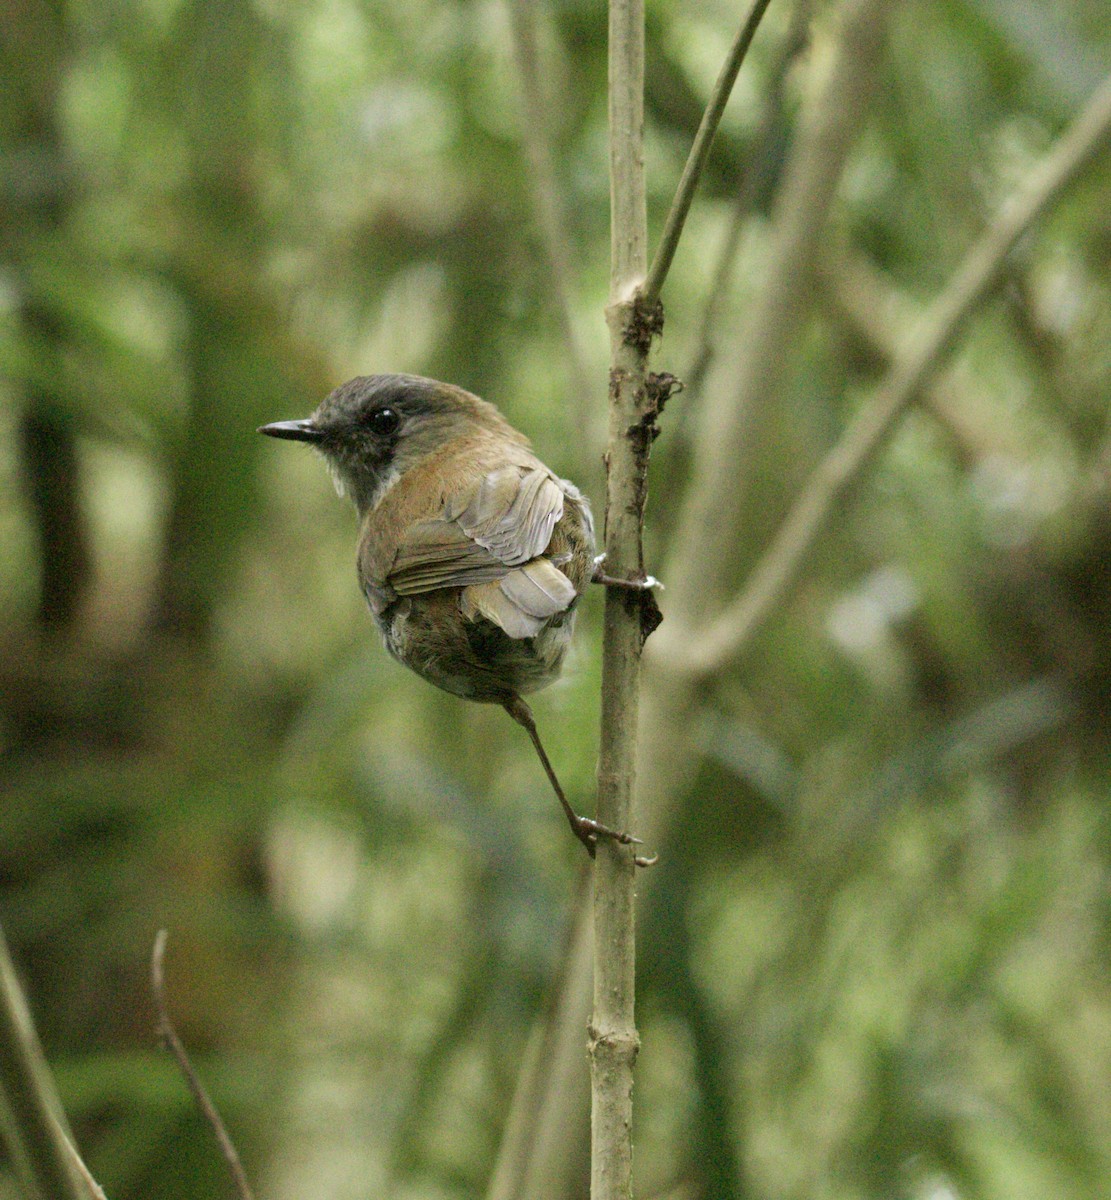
<point x="874" y="959"/>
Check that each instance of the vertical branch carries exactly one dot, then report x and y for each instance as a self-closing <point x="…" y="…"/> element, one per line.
<point x="613" y="1036"/>
<point x="628" y="220"/>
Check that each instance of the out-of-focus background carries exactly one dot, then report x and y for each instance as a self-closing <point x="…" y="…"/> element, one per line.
<point x="874" y="959"/>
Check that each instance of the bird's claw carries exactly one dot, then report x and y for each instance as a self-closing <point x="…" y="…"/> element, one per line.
<point x="588" y="831"/>
<point x="642" y="584"/>
<point x="595" y="829"/>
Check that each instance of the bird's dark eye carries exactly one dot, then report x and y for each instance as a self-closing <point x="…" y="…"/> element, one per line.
<point x="383" y="421"/>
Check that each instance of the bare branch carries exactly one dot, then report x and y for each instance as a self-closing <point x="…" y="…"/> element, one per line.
<point x="662" y="751"/>
<point x="173" y="1043"/>
<point x="874" y="313"/>
<point x="700" y="151"/>
<point x="777" y="570"/>
<point x="628" y="214"/>
<point x="754" y="183"/>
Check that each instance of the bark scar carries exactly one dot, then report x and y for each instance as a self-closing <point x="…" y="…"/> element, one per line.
<point x="646" y="321"/>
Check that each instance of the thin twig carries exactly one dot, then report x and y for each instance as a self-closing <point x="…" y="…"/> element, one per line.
<point x="776" y="571"/>
<point x="699" y="152"/>
<point x="735" y="416"/>
<point x="173" y="1043"/>
<point x="757" y="176"/>
<point x="547" y="200"/>
<point x="31" y="1118"/>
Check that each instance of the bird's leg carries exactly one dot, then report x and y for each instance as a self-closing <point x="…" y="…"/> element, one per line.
<point x="641" y="584"/>
<point x="587" y="830"/>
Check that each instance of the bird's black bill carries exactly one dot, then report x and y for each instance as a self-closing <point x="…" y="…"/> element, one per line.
<point x="293" y="431"/>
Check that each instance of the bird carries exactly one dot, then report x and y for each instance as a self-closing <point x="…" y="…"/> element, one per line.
<point x="472" y="554"/>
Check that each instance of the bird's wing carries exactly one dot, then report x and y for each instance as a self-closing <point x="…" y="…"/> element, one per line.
<point x="511" y="512"/>
<point x="489" y="540"/>
<point x="502" y="521"/>
<point x="438" y="554"/>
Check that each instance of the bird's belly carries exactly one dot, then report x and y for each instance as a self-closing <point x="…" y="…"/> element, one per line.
<point x="473" y="659"/>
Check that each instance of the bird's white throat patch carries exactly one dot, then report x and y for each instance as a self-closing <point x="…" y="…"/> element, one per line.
<point x="338" y="482"/>
<point x="342" y="485"/>
<point x="384" y="486"/>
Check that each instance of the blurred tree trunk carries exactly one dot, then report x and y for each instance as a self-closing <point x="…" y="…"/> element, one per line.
<point x="36" y="199"/>
<point x="210" y="497"/>
<point x="52" y="474"/>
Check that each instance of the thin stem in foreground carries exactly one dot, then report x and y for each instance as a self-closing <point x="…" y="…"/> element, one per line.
<point x="201" y="1097"/>
<point x="31" y="1118"/>
<point x="700" y="151"/>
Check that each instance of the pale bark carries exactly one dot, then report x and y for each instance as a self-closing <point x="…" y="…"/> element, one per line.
<point x="613" y="1035"/>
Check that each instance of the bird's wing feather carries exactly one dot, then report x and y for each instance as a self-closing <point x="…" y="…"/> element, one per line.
<point x="504" y="519"/>
<point x="524" y="600"/>
<point x="511" y="512"/>
<point x="438" y="554"/>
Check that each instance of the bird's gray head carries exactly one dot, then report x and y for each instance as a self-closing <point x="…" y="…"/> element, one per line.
<point x="373" y="428"/>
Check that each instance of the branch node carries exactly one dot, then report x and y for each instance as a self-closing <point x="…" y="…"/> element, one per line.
<point x="659" y="387"/>
<point x="621" y="1047"/>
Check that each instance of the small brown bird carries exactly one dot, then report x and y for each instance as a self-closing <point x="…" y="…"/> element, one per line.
<point x="472" y="554"/>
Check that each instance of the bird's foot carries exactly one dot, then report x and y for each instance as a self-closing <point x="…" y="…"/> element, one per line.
<point x="588" y="831"/>
<point x="639" y="582"/>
